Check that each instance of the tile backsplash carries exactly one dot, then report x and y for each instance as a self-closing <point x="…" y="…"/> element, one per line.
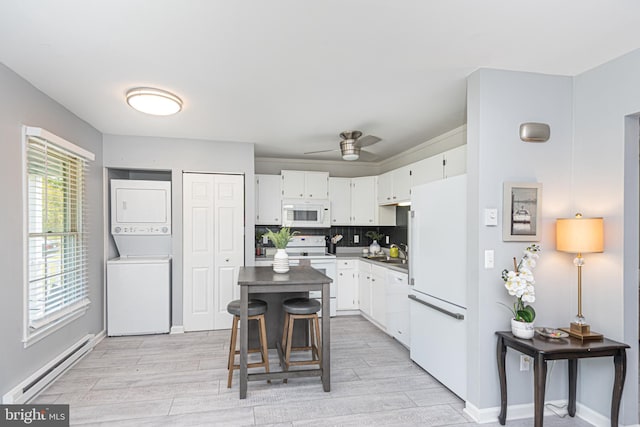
<point x="397" y="234"/>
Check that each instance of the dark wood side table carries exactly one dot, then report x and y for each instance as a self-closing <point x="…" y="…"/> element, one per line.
<point x="542" y="349"/>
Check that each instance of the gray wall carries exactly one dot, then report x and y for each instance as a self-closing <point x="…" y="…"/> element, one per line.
<point x="498" y="102"/>
<point x="590" y="165"/>
<point x="605" y="183"/>
<point x="21" y="103"/>
<point x="178" y="155"/>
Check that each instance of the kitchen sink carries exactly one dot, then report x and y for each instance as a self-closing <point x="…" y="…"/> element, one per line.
<point x="400" y="262"/>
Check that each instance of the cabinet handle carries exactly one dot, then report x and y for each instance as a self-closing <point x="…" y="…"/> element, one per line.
<point x="394" y="197"/>
<point x="310" y="195"/>
<point x="301" y="194"/>
<point x="226" y="260"/>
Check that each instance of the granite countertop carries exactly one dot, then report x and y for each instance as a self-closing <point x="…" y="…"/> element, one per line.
<point x="354" y="253"/>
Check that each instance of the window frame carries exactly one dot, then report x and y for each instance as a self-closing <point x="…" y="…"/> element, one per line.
<point x="66" y="314"/>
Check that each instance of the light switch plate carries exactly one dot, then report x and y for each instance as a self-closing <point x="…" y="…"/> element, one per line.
<point x="488" y="258"/>
<point x="491" y="216"/>
<point x="356" y="238"/>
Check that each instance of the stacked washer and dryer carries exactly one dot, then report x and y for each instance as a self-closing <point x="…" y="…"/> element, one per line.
<point x="139" y="280"/>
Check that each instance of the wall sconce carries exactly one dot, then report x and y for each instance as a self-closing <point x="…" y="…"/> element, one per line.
<point x="580" y="235"/>
<point x="534" y="132"/>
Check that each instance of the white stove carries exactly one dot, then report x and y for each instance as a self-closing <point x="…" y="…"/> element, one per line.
<point x="313" y="248"/>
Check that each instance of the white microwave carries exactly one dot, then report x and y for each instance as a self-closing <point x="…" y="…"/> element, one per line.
<point x="306" y="213"/>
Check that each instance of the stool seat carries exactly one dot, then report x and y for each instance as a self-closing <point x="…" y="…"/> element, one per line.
<point x="301" y="306"/>
<point x="256" y="307"/>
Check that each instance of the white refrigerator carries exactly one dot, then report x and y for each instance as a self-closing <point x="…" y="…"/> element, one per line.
<point x="438" y="275"/>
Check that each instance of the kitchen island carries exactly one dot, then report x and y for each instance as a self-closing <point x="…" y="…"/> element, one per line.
<point x="263" y="280"/>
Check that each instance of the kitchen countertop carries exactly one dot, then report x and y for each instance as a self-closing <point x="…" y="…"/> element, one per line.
<point x="402" y="268"/>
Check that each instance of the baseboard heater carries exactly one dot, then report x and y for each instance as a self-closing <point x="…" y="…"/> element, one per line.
<point x="33" y="385"/>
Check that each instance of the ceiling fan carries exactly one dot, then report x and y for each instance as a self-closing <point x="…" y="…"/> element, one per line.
<point x="351" y="144"/>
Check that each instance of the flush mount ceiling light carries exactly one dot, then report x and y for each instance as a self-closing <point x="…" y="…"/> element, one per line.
<point x="153" y="101"/>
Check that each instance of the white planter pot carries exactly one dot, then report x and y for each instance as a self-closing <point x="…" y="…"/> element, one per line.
<point x="374" y="247"/>
<point x="281" y="261"/>
<point x="523" y="330"/>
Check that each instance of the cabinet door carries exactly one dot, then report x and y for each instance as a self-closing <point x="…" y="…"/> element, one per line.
<point x="385" y="188"/>
<point x="347" y="292"/>
<point x="316" y="185"/>
<point x="268" y="200"/>
<point x="340" y="197"/>
<point x="401" y="184"/>
<point x="363" y="201"/>
<point x="293" y="184"/>
<point x="427" y="170"/>
<point x="364" y="288"/>
<point x="378" y="295"/>
<point x="455" y="161"/>
<point x="398" y="318"/>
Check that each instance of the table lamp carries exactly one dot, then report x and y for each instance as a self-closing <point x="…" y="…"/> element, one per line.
<point x="579" y="236"/>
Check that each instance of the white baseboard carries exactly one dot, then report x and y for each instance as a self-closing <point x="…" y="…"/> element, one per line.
<point x="514" y="412"/>
<point x="177" y="329"/>
<point x="39" y="380"/>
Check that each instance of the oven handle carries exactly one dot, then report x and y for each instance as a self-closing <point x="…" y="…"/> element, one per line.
<point x="458" y="316"/>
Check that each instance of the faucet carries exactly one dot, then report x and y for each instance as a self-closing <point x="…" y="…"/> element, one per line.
<point x="404" y="252"/>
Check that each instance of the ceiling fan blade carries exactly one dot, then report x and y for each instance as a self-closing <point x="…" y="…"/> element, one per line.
<point x="367" y="156"/>
<point x="322" y="151"/>
<point x="365" y="141"/>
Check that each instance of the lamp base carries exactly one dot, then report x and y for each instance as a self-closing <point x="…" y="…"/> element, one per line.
<point x="581" y="331"/>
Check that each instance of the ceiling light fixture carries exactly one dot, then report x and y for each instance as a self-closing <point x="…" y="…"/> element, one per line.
<point x="349" y="150"/>
<point x="153" y="101"/>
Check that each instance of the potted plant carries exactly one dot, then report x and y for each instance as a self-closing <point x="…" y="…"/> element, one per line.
<point x="374" y="247"/>
<point x="280" y="240"/>
<point x="519" y="283"/>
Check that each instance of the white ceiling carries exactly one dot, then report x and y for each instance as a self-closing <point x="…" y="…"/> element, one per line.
<point x="290" y="75"/>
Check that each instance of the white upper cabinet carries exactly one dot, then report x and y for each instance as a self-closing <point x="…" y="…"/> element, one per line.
<point x="363" y="201"/>
<point x="268" y="200"/>
<point x="455" y="161"/>
<point x="385" y="188"/>
<point x="305" y="185"/>
<point x="441" y="166"/>
<point x="340" y="198"/>
<point x="394" y="186"/>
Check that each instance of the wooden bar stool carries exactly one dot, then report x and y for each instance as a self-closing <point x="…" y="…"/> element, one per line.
<point x="257" y="310"/>
<point x="306" y="309"/>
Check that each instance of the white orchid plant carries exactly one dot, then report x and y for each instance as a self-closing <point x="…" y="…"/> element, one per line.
<point x="519" y="283"/>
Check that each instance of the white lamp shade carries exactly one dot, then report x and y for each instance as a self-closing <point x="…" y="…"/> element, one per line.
<point x="580" y="235"/>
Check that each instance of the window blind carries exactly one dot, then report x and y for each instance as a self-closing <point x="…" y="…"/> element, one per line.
<point x="57" y="282"/>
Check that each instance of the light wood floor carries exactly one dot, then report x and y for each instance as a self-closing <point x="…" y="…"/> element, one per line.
<point x="180" y="380"/>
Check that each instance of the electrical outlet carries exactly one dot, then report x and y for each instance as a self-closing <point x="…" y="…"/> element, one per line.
<point x="525" y="362"/>
<point x="265" y="240"/>
<point x="387" y="239"/>
<point x="356" y="238"/>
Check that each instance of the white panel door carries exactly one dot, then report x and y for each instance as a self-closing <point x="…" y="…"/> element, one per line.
<point x="213" y="215"/>
<point x="198" y="261"/>
<point x="340" y="197"/>
<point x="229" y="244"/>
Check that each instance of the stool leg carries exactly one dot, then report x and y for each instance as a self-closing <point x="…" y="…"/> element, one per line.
<point x="285" y="329"/>
<point x="318" y="338"/>
<point x="232" y="349"/>
<point x="287" y="356"/>
<point x="263" y="344"/>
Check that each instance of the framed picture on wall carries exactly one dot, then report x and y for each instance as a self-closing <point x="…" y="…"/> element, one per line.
<point x="521" y="212"/>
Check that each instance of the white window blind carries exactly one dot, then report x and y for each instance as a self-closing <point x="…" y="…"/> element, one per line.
<point x="57" y="284"/>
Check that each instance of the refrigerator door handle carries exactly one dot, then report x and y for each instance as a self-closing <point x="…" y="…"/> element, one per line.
<point x="458" y="316"/>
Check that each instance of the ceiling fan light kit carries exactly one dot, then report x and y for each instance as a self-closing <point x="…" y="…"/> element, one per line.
<point x="351" y="145"/>
<point x="153" y="101"/>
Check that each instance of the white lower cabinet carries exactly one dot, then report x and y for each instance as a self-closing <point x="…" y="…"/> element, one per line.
<point x="398" y="316"/>
<point x="347" y="284"/>
<point x="379" y="295"/>
<point x="364" y="288"/>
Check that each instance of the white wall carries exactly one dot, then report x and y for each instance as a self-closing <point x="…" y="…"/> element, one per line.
<point x="178" y="155"/>
<point x="605" y="183"/>
<point x="498" y="102"/>
<point x="21" y="103"/>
